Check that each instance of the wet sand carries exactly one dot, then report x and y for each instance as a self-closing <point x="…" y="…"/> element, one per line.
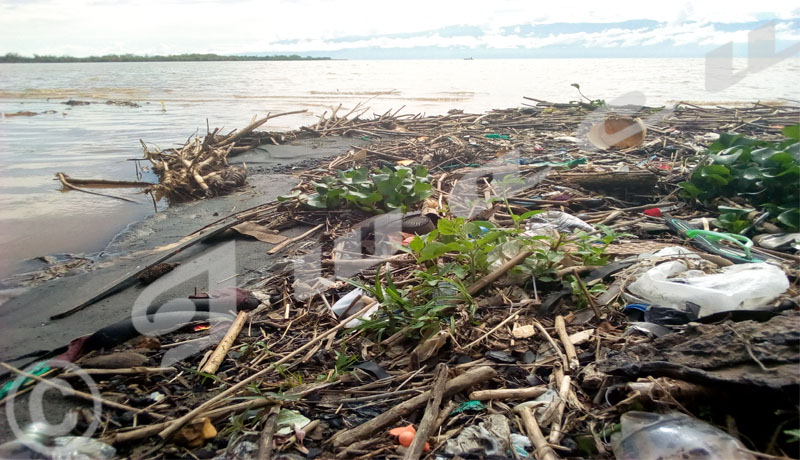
<point x="24" y="323"/>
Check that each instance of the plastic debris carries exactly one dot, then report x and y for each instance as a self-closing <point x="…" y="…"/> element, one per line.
<point x="351" y="303"/>
<point x="488" y="438"/>
<point x="38" y="369"/>
<point x="673" y="436"/>
<point x="468" y="406"/>
<point x="81" y="448"/>
<point x="541" y="224"/>
<point x="288" y="421"/>
<point x="405" y="436"/>
<point x="738" y="287"/>
<point x="778" y="241"/>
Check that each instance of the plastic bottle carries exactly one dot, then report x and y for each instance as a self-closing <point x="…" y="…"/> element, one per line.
<point x="33" y="433"/>
<point x="673" y="436"/>
<point x="81" y="448"/>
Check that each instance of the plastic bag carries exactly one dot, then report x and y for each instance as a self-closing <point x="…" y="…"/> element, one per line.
<point x="673" y="436"/>
<point x="344" y="307"/>
<point x="81" y="448"/>
<point x="541" y="224"/>
<point x="738" y="287"/>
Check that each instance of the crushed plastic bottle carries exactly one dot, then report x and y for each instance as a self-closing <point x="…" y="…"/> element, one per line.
<point x="673" y="436"/>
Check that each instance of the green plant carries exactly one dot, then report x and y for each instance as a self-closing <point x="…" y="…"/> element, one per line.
<point x="592" y="249"/>
<point x="765" y="173"/>
<point x="290" y="378"/>
<point x="594" y="103"/>
<point x="414" y="310"/>
<point x="468" y="242"/>
<point x="390" y="189"/>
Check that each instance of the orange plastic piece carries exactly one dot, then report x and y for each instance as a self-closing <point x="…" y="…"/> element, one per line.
<point x="405" y="436"/>
<point x="402" y="429"/>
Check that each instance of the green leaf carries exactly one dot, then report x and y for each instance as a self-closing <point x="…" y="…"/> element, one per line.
<point x="790" y="219"/>
<point x="792" y="132"/>
<point x="433" y="250"/>
<point x="416" y="244"/>
<point x="530" y="214"/>
<point x="447" y="226"/>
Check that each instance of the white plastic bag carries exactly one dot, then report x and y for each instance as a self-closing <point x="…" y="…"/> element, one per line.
<point x="341" y="310"/>
<point x="737" y="287"/>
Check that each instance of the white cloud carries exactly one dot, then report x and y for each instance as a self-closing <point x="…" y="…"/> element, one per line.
<point x="83" y="27"/>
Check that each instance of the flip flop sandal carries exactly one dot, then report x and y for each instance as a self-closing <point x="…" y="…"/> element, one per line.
<point x="712" y="242"/>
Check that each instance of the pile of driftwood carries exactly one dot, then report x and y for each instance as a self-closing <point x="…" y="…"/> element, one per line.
<point x="200" y="168"/>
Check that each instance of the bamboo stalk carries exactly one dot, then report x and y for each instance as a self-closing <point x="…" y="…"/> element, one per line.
<point x="225" y="344"/>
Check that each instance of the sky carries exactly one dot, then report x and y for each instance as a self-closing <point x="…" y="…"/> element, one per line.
<point x="375" y="29"/>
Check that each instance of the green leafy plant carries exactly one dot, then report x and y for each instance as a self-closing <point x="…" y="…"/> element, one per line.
<point x="765" y="173"/>
<point x="340" y="367"/>
<point x="794" y="435"/>
<point x="593" y="103"/>
<point x="592" y="249"/>
<point x="414" y="310"/>
<point x="389" y="189"/>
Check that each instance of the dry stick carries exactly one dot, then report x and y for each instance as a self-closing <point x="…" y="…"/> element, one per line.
<point x="569" y="348"/>
<point x="501" y="270"/>
<point x="563" y="394"/>
<point x="509" y="393"/>
<point x="553" y="344"/>
<point x="466" y="380"/>
<point x="225" y="344"/>
<point x="176" y="424"/>
<point x="491" y="331"/>
<point x="427" y="425"/>
<point x="106" y="183"/>
<point x="543" y="450"/>
<point x="294" y="240"/>
<point x="150" y="430"/>
<point x="80" y="394"/>
<point x="123" y="371"/>
<point x="253" y="126"/>
<point x="588" y="295"/>
<point x="66" y="184"/>
<point x="267" y="433"/>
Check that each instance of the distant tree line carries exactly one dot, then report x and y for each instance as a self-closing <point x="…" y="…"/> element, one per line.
<point x="17" y="58"/>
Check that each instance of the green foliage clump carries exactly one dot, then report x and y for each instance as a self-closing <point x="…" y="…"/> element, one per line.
<point x="765" y="173"/>
<point x="390" y="189"/>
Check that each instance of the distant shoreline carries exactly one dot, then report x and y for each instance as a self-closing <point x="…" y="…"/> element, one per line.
<point x="14" y="58"/>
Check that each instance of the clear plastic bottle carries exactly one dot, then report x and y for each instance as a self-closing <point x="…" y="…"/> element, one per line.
<point x="20" y="448"/>
<point x="673" y="436"/>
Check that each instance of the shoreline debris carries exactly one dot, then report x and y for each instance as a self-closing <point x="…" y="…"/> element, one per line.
<point x="511" y="322"/>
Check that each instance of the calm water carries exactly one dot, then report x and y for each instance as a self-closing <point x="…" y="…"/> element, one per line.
<point x="95" y="141"/>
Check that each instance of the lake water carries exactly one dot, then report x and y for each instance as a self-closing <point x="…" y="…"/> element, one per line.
<point x="95" y="141"/>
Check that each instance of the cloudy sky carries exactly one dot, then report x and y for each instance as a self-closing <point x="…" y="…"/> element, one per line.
<point x="383" y="29"/>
